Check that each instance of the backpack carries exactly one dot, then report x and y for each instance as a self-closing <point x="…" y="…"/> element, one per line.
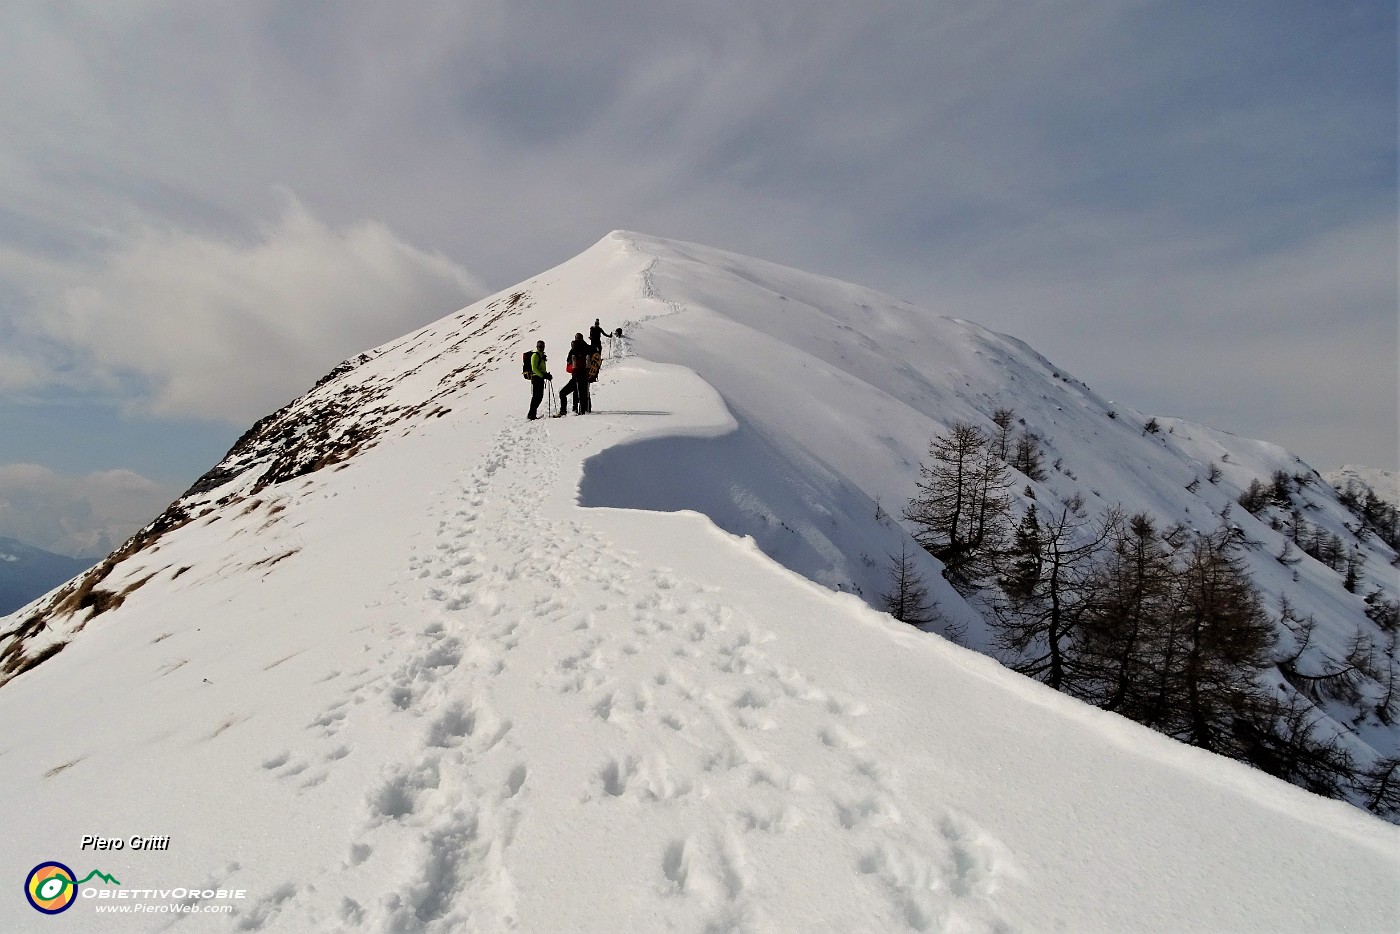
<point x="528" y="373"/>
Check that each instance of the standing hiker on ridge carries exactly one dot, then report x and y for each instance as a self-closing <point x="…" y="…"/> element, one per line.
<point x="595" y="336"/>
<point x="538" y="374"/>
<point x="595" y="359"/>
<point x="579" y="353"/>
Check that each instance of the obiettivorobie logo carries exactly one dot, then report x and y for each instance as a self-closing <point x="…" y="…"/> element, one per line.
<point x="52" y="887"/>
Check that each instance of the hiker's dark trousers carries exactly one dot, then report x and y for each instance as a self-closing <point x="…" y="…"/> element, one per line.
<point x="536" y="394"/>
<point x="578" y="387"/>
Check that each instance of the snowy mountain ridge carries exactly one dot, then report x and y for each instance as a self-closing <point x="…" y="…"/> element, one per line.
<point x="1385" y="483"/>
<point x="403" y="661"/>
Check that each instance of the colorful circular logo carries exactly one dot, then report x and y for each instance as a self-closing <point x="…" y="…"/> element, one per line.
<point x="50" y="888"/>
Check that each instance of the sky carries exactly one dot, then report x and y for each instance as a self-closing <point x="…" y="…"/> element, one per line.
<point x="203" y="208"/>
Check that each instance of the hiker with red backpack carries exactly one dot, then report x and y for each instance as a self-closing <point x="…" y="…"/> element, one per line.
<point x="579" y="353"/>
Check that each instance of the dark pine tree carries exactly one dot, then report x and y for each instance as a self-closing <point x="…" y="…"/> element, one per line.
<point x="907" y="600"/>
<point x="1124" y="647"/>
<point x="1022" y="562"/>
<point x="1003" y="418"/>
<point x="1227" y="640"/>
<point x="1289" y="740"/>
<point x="1028" y="457"/>
<point x="1380" y="787"/>
<point x="1036" y="624"/>
<point x="961" y="507"/>
<point x="1356" y="560"/>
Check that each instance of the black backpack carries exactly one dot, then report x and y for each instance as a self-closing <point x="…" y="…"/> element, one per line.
<point x="528" y="373"/>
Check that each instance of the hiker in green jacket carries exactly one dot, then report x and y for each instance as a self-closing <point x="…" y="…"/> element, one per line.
<point x="538" y="375"/>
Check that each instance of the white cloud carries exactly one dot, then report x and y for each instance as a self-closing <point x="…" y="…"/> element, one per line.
<point x="1051" y="166"/>
<point x="19" y="372"/>
<point x="197" y="325"/>
<point x="78" y="515"/>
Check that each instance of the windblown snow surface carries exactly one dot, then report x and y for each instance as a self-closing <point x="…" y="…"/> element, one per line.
<point x="464" y="672"/>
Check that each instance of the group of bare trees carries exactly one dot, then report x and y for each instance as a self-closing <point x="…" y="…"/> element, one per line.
<point x="1274" y="503"/>
<point x="1377" y="516"/>
<point x="1163" y="626"/>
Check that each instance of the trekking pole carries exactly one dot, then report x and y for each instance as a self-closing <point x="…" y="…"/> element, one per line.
<point x="550" y="384"/>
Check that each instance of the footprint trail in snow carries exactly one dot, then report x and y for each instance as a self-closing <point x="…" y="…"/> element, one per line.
<point x="572" y="704"/>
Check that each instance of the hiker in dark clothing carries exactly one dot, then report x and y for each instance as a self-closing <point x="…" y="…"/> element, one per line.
<point x="538" y="375"/>
<point x="595" y="336"/>
<point x="579" y="352"/>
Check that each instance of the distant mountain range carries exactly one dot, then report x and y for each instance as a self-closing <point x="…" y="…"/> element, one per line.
<point x="27" y="572"/>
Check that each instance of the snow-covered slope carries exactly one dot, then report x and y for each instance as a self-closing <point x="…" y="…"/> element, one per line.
<point x="1385" y="484"/>
<point x="405" y="661"/>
